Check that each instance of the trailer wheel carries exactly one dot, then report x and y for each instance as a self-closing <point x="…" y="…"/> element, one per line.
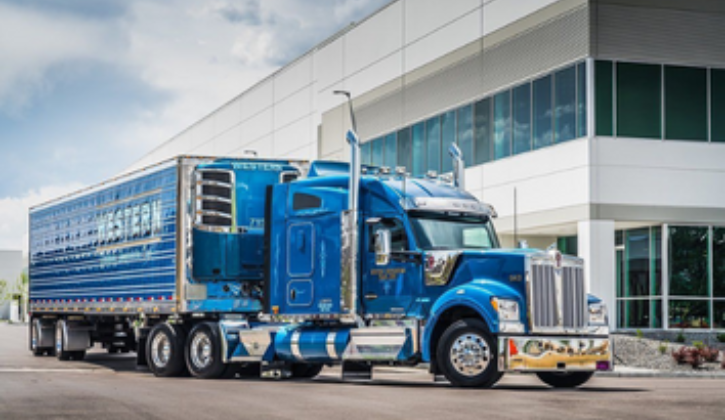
<point x="565" y="380"/>
<point x="466" y="354"/>
<point x="165" y="350"/>
<point x="306" y="370"/>
<point x="60" y="340"/>
<point x="35" y="339"/>
<point x="203" y="352"/>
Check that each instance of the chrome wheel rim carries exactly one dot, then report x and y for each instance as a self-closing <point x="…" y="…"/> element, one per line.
<point x="34" y="336"/>
<point x="161" y="350"/>
<point x="59" y="337"/>
<point x="470" y="354"/>
<point x="200" y="350"/>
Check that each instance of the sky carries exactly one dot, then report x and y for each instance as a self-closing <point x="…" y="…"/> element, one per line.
<point x="87" y="87"/>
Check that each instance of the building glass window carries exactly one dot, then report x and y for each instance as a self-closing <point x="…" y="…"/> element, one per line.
<point x="419" y="160"/>
<point x="405" y="158"/>
<point x="433" y="142"/>
<point x="568" y="245"/>
<point x="717" y="104"/>
<point x="522" y="118"/>
<point x="689" y="313"/>
<point x="688" y="261"/>
<point x="565" y="105"/>
<point x="391" y="151"/>
<point x="718" y="262"/>
<point x="483" y="131"/>
<point x="685" y="103"/>
<point x="465" y="133"/>
<point x="448" y="134"/>
<point x="604" y="97"/>
<point x="365" y="153"/>
<point x="639" y="100"/>
<point x="718" y="318"/>
<point x="543" y="115"/>
<point x="378" y="152"/>
<point x="637" y="263"/>
<point x="633" y="313"/>
<point x="581" y="99"/>
<point x="656" y="260"/>
<point x="502" y="125"/>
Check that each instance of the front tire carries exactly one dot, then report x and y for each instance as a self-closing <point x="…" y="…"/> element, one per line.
<point x="466" y="354"/>
<point x="203" y="352"/>
<point x="565" y="380"/>
<point x="165" y="350"/>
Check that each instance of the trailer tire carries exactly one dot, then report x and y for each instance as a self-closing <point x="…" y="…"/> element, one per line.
<point x="165" y="350"/>
<point x="565" y="380"/>
<point x="306" y="370"/>
<point x="60" y="339"/>
<point x="466" y="354"/>
<point x="35" y="339"/>
<point x="203" y="352"/>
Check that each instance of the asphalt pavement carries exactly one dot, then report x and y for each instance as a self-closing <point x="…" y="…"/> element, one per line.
<point x="111" y="387"/>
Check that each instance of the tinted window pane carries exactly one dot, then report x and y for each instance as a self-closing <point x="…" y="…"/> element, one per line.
<point x="565" y="105"/>
<point x="604" y="98"/>
<point x="717" y="99"/>
<point x="633" y="313"/>
<point x="502" y="125"/>
<point x="448" y="131"/>
<point x="483" y="132"/>
<point x="465" y="133"/>
<point x="378" y="151"/>
<point x="568" y="245"/>
<point x="688" y="261"/>
<point x="656" y="261"/>
<point x="433" y="142"/>
<point x="719" y="314"/>
<point x="655" y="313"/>
<point x="637" y="251"/>
<point x="419" y="161"/>
<point x="366" y="154"/>
<point x="639" y="100"/>
<point x="391" y="151"/>
<point x="689" y="314"/>
<point x="522" y="118"/>
<point x="718" y="261"/>
<point x="404" y="149"/>
<point x="543" y="115"/>
<point x="685" y="103"/>
<point x="581" y="99"/>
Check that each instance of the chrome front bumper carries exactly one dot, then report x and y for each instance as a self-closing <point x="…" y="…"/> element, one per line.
<point x="559" y="354"/>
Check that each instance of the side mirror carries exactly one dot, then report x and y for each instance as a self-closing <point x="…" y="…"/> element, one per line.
<point x="382" y="247"/>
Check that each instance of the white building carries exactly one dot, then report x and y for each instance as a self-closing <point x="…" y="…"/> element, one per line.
<point x="607" y="118"/>
<point x="11" y="267"/>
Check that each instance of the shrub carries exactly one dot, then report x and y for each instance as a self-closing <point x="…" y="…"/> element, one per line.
<point x="663" y="347"/>
<point x="680" y="337"/>
<point x="694" y="358"/>
<point x="680" y="355"/>
<point x="640" y="334"/>
<point x="698" y="345"/>
<point x="721" y="337"/>
<point x="710" y="354"/>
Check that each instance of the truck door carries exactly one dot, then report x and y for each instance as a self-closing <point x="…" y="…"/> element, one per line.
<point x="388" y="289"/>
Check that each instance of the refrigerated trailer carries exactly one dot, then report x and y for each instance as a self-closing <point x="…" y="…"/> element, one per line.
<point x="220" y="266"/>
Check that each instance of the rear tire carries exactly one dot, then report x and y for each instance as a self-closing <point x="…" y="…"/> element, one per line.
<point x="165" y="350"/>
<point x="306" y="370"/>
<point x="565" y="380"/>
<point x="35" y="327"/>
<point x="467" y="354"/>
<point x="60" y="340"/>
<point x="203" y="352"/>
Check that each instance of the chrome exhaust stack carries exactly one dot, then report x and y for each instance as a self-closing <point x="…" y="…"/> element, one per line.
<point x="459" y="173"/>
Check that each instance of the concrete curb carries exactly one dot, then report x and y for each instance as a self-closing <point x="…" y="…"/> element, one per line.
<point x="662" y="374"/>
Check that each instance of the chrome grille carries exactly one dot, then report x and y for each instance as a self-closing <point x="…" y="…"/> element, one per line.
<point x="557" y="297"/>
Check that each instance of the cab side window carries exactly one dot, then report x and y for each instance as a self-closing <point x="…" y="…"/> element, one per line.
<point x="399" y="240"/>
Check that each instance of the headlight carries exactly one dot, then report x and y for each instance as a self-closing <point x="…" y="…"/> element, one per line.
<point x="597" y="314"/>
<point x="508" y="310"/>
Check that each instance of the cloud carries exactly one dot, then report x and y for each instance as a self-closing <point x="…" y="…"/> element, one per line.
<point x="14" y="213"/>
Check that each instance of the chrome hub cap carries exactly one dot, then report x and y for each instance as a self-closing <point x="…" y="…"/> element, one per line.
<point x="470" y="354"/>
<point x="161" y="350"/>
<point x="201" y="350"/>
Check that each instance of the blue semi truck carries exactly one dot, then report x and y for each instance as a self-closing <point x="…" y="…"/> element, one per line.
<point x="225" y="266"/>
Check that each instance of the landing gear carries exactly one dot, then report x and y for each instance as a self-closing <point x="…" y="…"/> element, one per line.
<point x="466" y="355"/>
<point x="165" y="350"/>
<point x="565" y="380"/>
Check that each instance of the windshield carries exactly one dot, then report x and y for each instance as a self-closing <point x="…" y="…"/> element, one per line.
<point x="443" y="232"/>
